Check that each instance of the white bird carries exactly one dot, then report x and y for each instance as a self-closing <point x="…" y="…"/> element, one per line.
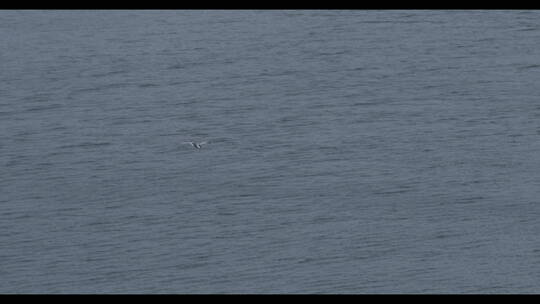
<point x="196" y="145"/>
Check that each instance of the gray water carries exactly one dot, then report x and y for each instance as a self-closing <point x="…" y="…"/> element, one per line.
<point x="349" y="151"/>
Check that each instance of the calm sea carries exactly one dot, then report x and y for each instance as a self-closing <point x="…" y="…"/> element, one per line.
<point x="349" y="151"/>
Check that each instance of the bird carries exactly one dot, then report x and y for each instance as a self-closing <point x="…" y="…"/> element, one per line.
<point x="196" y="145"/>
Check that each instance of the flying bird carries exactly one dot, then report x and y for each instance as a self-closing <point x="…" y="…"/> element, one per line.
<point x="196" y="145"/>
